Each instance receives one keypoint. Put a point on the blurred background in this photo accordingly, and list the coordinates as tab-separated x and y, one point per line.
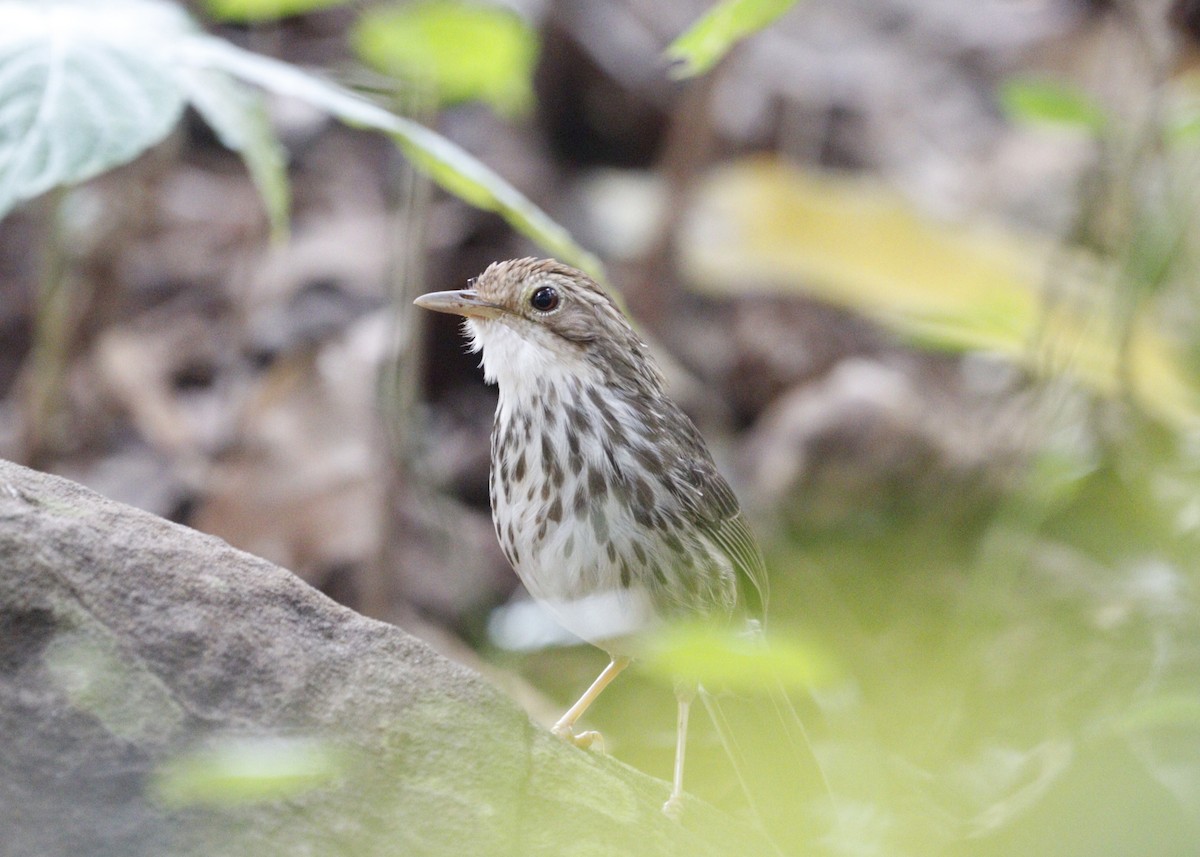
923	272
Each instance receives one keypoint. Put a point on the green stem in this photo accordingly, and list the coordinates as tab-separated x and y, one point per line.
46	378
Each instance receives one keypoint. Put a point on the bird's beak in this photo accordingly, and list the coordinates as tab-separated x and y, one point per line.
466	303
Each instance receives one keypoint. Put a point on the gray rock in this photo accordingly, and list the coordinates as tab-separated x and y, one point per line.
131	647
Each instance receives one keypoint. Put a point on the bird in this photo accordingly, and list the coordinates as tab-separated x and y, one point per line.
605	498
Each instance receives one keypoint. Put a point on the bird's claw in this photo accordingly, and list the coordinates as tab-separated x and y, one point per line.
590	739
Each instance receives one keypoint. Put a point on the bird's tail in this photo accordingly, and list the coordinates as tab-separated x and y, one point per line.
775	763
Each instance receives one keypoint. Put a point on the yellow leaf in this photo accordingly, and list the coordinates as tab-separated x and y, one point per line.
858	244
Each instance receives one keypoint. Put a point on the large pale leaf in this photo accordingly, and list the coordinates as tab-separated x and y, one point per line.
856	243
447	163
84	87
718	30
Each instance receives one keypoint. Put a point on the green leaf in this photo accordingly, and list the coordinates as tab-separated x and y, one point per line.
1048	102
724	658
448	164
238	117
84	87
100	680
1182	129
245	770
463	51
1179	710
711	37
265	10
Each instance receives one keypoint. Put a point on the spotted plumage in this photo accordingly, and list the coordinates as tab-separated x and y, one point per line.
604	496
643	494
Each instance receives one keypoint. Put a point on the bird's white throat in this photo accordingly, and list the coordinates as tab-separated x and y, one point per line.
515	361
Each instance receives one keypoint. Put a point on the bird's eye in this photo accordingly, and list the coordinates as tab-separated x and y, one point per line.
544	299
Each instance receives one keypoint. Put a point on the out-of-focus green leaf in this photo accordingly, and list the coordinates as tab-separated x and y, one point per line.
265	10
120	692
1049	102
704	43
1183	129
1166	711
84	87
448	164
1014	781
246	770
1055	477
723	658
858	244
466	52
1181	120
238	117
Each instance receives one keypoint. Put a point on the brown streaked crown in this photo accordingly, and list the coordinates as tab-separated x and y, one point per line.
584	315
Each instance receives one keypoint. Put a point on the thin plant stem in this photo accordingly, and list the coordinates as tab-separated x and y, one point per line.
49	355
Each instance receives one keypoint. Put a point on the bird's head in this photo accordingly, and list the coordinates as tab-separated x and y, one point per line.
535	318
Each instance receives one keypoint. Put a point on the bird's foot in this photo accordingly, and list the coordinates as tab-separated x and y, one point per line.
583	740
673	808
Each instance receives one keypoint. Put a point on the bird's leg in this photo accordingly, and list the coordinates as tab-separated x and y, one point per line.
684	694
565	727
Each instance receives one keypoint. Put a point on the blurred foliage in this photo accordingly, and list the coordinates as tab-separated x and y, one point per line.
994	685
234	771
1021	680
1043	101
444	161
735	659
95	676
239	119
854	242
247	11
1181	124
464	52
705	42
1162	712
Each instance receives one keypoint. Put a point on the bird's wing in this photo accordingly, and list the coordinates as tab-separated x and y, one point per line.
715	510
